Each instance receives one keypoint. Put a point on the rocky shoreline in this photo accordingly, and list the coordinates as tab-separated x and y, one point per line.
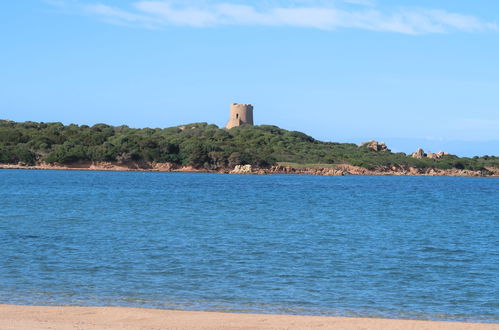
339	170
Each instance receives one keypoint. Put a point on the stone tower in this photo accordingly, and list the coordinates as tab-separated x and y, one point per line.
240	114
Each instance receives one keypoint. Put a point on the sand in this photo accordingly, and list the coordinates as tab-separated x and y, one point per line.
43	317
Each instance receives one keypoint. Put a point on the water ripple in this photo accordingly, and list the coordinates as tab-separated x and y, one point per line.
404	247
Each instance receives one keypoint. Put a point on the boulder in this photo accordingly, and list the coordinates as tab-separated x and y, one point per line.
419	154
437	155
242	169
375	145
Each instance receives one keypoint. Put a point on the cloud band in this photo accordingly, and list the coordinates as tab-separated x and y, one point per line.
156	14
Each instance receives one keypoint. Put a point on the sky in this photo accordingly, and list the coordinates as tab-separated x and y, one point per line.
414	73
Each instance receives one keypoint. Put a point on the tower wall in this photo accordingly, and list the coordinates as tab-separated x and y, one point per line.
240	114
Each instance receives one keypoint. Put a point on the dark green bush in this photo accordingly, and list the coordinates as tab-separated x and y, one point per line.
200	145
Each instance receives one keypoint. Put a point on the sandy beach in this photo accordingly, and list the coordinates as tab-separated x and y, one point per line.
43	317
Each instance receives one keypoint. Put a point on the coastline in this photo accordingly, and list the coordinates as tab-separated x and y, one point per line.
71	317
337	170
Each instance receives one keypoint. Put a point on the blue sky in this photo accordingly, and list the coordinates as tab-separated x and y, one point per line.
417	73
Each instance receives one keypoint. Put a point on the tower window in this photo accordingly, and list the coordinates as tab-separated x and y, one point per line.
237	115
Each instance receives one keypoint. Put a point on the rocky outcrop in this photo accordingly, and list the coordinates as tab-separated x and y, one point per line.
108	166
493	171
437	155
375	145
419	154
338	170
311	171
242	169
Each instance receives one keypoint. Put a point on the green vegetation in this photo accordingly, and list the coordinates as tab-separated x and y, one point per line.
200	145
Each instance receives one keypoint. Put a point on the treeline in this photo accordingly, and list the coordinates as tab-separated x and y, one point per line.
200	145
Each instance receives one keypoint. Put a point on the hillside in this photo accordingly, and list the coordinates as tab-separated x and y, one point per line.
201	146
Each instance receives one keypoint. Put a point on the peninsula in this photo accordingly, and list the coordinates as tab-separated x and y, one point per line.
244	148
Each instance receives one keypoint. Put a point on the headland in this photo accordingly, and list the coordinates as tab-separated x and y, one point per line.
200	147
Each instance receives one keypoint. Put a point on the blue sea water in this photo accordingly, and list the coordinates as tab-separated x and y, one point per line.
401	247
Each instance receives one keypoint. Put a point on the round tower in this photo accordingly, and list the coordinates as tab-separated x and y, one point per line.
240	114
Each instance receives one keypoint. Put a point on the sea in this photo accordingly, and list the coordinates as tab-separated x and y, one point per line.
362	246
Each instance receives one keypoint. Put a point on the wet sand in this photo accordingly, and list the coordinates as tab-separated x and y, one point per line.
43	317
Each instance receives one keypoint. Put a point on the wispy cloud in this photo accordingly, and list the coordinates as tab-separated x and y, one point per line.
305	14
369	3
119	16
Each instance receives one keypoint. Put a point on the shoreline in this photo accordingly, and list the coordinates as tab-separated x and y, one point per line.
337	170
72	317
